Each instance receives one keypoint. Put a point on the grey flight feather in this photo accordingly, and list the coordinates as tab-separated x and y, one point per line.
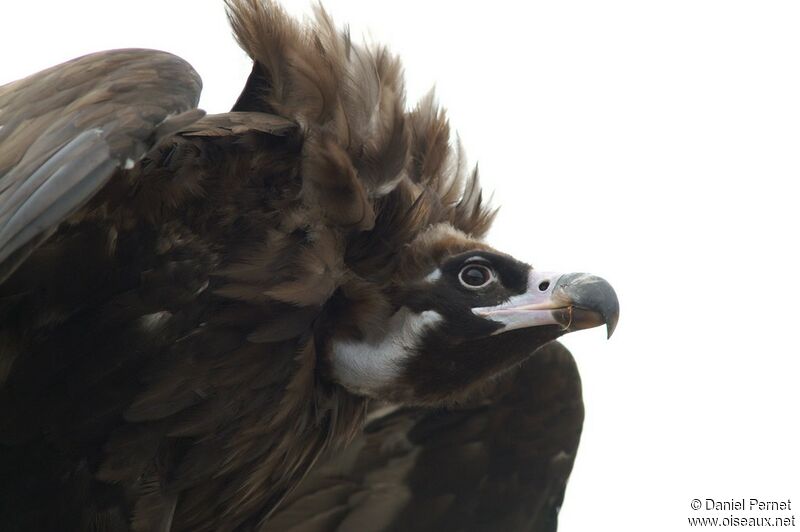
65	131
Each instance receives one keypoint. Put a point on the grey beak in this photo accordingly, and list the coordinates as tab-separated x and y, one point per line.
574	301
592	301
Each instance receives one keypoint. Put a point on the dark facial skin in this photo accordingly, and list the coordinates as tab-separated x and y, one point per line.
461	354
449	297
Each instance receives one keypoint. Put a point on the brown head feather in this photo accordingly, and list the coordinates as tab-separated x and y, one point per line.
350	101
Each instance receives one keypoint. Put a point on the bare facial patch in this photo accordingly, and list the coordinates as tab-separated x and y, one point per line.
434	276
370	365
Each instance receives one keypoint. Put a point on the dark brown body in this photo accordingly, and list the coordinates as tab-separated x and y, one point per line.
499	463
170	287
125	360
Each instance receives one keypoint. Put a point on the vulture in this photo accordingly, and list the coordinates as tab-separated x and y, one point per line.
279	318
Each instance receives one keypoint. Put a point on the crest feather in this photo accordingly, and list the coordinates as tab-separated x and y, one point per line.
396	169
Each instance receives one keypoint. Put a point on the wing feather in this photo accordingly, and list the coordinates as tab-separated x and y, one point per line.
65	131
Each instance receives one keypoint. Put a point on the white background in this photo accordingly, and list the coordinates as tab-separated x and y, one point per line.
654	143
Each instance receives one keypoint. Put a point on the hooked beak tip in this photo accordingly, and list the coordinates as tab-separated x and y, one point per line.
610	329
594	301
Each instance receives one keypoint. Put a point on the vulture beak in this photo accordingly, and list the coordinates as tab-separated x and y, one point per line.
574	301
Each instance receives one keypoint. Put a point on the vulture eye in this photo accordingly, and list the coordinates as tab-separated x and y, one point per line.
474	276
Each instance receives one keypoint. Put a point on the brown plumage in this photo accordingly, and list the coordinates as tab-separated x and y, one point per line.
497	462
194	310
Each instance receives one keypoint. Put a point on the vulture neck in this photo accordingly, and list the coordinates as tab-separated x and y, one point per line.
371	365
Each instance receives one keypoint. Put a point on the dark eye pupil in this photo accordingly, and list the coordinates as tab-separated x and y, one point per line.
474	276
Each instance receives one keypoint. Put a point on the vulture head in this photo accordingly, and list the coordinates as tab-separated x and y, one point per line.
421	310
460	315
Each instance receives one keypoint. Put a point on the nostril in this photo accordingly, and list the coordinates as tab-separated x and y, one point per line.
544	285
